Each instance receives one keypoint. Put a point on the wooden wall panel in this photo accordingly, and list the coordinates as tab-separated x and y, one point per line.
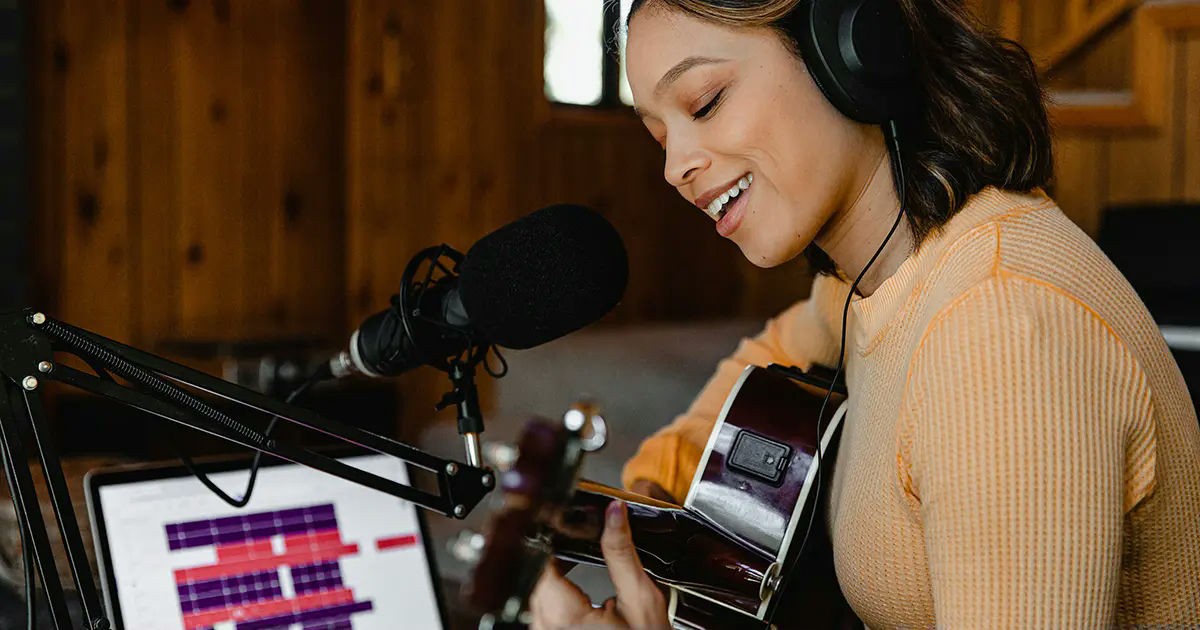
266	168
386	72
255	193
1041	22
212	230
1189	154
155	165
93	196
304	208
249	169
191	166
48	71
440	126
1103	65
1077	160
1141	165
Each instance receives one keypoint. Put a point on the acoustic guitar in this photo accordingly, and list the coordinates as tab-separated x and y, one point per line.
749	547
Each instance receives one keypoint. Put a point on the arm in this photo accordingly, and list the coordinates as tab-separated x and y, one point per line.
804	334
1025	437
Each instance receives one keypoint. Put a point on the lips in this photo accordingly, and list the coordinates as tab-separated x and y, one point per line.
732	214
714	201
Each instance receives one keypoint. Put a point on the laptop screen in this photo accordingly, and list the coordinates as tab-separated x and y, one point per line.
309	551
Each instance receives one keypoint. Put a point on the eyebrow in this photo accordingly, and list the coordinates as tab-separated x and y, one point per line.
672	75
676	71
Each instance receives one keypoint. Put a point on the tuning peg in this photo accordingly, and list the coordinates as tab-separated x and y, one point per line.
585	419
500	455
466	546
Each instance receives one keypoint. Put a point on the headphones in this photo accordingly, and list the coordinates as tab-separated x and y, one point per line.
860	54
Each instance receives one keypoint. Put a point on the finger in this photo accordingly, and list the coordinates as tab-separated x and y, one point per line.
555	601
624	566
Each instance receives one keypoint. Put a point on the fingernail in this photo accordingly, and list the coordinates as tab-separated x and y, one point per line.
613	513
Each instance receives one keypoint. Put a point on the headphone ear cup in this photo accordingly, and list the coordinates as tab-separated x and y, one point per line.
859	53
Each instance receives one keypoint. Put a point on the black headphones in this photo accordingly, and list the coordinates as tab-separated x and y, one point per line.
860	54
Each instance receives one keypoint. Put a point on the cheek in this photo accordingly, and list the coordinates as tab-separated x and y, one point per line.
807	150
777	230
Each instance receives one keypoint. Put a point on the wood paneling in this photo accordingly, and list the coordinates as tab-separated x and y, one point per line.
1140	164
1143	147
307	187
1103	65
155	160
1077	159
440	139
92	197
484	148
48	66
191	166
212	168
212	228
1188	147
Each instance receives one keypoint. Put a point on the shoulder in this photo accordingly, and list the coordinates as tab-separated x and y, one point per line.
1023	251
1006	311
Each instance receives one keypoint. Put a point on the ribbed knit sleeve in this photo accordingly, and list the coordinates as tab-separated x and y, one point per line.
801	335
1026	435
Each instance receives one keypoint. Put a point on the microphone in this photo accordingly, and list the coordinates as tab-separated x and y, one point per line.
532	281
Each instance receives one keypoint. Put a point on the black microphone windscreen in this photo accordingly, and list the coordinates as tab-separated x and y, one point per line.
543	276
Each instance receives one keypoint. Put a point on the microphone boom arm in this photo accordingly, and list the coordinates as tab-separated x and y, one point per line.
27	344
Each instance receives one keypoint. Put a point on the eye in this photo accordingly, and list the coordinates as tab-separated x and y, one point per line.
709	106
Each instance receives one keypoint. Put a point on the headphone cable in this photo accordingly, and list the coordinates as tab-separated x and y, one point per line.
891	133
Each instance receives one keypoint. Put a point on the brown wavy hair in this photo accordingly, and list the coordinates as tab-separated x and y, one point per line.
980	118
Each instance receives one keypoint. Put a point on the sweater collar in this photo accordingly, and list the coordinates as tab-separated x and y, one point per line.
874	314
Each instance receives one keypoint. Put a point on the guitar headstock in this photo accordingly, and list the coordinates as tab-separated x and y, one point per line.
535	490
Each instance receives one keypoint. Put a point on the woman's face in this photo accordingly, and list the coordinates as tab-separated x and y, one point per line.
732	107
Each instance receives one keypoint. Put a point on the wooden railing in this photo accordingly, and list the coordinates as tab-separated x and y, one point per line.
1083	23
1143	105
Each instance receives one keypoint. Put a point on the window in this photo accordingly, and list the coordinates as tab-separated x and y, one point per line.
585	52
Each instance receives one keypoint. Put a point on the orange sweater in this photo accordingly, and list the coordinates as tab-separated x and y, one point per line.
1020	448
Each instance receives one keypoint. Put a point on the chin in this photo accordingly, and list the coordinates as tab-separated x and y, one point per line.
767	256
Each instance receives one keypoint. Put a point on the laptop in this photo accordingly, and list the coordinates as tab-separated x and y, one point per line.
310	551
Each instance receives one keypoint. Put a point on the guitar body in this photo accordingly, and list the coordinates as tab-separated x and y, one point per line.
735	553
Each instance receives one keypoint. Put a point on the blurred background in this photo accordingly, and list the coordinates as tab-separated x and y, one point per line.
235	184
218	178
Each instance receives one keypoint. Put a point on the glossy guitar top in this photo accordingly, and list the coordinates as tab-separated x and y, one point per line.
752	526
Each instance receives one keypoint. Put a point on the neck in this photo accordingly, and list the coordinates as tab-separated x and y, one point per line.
853	235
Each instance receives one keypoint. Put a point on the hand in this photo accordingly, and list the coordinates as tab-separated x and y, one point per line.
651	489
557	603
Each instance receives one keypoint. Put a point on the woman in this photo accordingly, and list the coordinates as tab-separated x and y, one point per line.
1021	449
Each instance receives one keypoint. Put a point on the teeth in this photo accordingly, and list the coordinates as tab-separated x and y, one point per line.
717	208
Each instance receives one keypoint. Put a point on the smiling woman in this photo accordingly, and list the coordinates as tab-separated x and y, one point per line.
1019	449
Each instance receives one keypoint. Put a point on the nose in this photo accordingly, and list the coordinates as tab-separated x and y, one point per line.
685	160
